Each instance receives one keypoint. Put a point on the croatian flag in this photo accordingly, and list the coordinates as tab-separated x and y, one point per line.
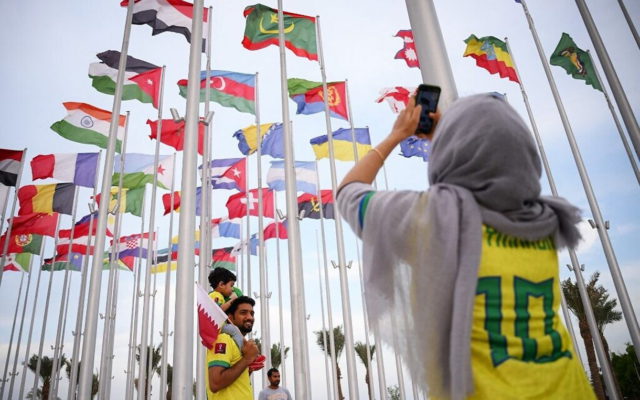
306	177
79	168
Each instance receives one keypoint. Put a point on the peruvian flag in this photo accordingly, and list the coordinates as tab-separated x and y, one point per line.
149	82
210	318
408	52
397	97
243	204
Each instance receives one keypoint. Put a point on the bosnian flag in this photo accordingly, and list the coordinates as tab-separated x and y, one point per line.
397	97
79	168
230	89
88	124
210	318
224	176
306	177
167	16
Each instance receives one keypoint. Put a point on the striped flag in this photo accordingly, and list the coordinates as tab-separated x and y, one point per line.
57	197
9	166
306	177
79	168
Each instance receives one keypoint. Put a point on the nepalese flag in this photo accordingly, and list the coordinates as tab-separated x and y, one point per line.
343	144
10	161
57	197
309	96
243	204
70	261
262	31
306	176
408	52
172	133
79	168
491	54
168	16
133	245
139	170
225	227
221	176
309	206
272	139
211	318
397	97
37	223
276	230
17	262
229	89
415	147
141	79
87	124
22	243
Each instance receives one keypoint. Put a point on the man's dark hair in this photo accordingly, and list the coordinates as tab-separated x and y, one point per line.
271	371
240	300
221	275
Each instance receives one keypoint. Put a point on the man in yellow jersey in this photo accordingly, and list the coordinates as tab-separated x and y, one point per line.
228	365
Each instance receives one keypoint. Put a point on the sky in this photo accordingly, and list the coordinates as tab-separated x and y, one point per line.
48	47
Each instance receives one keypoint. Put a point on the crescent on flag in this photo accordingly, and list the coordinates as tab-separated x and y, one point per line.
274	20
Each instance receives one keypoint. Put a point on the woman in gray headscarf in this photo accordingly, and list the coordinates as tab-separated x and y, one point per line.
463	278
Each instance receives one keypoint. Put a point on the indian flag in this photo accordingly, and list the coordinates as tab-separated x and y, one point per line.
88	124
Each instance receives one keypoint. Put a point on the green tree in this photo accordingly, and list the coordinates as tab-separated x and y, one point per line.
169	379
154	356
339	346
627	370
361	351
393	392
604	313
46	368
276	349
95	383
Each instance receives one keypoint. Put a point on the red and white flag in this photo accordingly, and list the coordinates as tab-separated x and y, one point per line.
397	97
243	204
408	52
210	318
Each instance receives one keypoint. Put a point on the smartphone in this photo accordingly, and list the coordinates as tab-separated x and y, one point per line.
427	96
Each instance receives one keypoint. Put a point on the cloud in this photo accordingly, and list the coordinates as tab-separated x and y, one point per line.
589	236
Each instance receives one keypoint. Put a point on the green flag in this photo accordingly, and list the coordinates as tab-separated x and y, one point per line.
17	262
575	61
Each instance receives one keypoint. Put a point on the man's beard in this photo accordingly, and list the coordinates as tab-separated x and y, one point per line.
244	330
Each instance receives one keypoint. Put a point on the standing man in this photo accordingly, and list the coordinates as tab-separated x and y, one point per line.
274	391
228	365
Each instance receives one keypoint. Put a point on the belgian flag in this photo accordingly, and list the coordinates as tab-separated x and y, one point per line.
57	197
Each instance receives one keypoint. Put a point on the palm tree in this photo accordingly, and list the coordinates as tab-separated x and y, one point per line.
169	379
361	351
154	356
95	383
276	351
339	346
46	368
604	313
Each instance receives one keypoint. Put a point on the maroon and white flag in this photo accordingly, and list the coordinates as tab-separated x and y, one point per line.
210	318
397	97
408	52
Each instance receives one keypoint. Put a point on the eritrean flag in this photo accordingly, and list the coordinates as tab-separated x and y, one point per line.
230	89
309	97
262	31
46	198
491	53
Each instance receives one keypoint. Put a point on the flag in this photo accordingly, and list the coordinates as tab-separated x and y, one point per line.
272	139
72	261
408	52
224	258
229	89
210	318
225	227
237	204
10	161
236	173
79	168
308	96
168	16
57	197
77	244
22	243
4	195
172	133
262	31
309	204
124	263
36	223
342	144
222	166
415	147
137	73
162	264
166	201
280	227
492	54
138	170
82	227
397	97
130	200
87	124
17	262
575	61
132	245
306	177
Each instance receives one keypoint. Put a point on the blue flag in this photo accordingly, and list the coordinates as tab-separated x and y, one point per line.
414	147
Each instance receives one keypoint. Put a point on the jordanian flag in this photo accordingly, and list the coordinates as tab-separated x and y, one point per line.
141	79
230	89
88	124
575	61
262	30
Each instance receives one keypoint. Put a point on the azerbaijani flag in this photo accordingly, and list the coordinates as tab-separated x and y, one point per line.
262	31
342	144
88	124
230	89
57	197
309	97
79	168
139	170
491	54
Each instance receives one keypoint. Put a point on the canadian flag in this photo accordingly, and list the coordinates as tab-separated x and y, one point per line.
210	318
397	97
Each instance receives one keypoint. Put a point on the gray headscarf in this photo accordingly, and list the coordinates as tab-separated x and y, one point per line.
422	249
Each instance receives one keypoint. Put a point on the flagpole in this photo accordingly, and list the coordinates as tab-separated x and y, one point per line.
13	329
77	334
282	352
330	388
29	336
184	308
3	258
153	314
382	380
4	205
627	17
432	53
298	313
167	295
342	264
112	326
618	92
600	224
64	329
403	391
91	324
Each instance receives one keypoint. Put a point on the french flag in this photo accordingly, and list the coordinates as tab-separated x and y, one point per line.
79	168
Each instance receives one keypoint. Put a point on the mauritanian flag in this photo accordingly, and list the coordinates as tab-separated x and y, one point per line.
46	198
491	54
230	89
141	79
79	168
10	161
139	170
88	124
262	31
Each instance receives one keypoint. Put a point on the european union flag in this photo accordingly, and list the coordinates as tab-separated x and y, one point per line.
415	147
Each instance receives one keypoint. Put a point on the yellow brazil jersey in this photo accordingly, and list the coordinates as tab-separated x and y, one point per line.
217	297
519	347
226	353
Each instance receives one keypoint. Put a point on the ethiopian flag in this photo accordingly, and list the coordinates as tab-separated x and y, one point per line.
88	124
491	54
575	61
309	96
262	30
